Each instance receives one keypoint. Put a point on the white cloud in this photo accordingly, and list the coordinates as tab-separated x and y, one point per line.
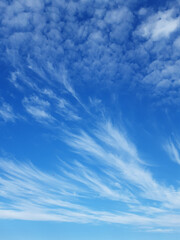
62	39
173	150
7	113
160	230
124	164
160	25
38	108
95	47
38	113
98	183
117	140
117	176
64	108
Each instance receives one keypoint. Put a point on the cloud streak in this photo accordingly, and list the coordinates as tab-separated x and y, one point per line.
6	113
172	148
113	173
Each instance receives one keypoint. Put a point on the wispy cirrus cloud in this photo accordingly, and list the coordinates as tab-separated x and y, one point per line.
7	113
38	108
172	148
125	163
108	177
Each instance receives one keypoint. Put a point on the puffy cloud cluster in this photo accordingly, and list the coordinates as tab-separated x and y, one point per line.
159	35
82	35
98	42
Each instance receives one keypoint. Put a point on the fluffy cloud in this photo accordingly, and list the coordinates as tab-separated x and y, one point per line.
160	25
107	42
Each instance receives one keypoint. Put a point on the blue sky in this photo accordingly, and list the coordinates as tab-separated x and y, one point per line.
89	119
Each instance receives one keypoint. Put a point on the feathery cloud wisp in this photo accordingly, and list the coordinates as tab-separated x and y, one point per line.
120	178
